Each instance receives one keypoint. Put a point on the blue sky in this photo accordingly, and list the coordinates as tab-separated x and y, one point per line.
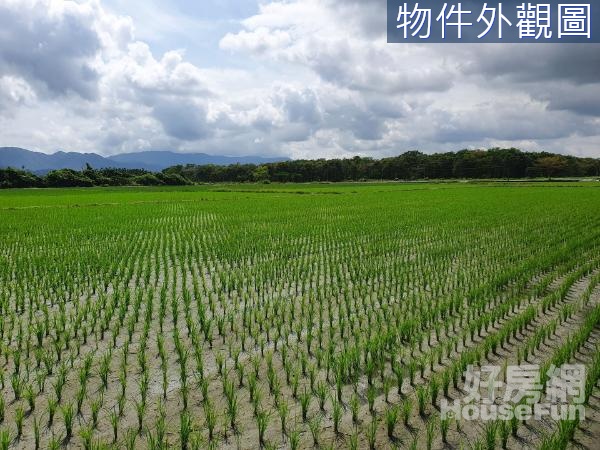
296	78
194	26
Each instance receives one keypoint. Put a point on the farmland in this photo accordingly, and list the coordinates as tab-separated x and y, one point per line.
290	316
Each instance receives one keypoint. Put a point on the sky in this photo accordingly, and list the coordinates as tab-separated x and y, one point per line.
293	78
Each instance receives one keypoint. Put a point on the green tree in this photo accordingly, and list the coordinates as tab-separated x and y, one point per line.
261	173
551	165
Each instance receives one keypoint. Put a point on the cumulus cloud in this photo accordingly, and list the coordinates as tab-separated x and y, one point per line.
14	91
182	119
581	99
526	63
300	78
426	96
327	38
260	40
50	44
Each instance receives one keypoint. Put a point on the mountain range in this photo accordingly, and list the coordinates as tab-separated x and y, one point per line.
42	163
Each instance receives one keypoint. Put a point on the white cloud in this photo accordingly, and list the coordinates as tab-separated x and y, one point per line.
318	79
15	91
50	44
260	40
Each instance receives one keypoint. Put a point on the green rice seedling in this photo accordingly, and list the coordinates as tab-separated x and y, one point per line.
294	439
55	443
262	421
58	388
305	403
431	428
434	389
240	372
165	381
197	441
477	445
275	388
391	419
315	428
130	439
80	397
549	442
337	416
184	392
211	419
61	379
87	434
387	385
204	389
114	422
19	417
123	381
95	406
29	397
372	433
283	410
17	362
104	369
407	407
371	393
52	405
354	406
220	360
514	424
446	384
161	426
17	386
140	410
421	399
422	366
185	429
153	442
566	432
412	370
257	401
414	443
353	441
252	383
491	430
338	387
444	428
232	409
295	383
399	374
68	414
36	433
5	440
321	392
504	429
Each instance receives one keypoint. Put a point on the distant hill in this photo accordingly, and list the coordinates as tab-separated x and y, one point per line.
164	159
42	163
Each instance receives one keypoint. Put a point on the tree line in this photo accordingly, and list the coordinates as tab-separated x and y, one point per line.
88	177
471	164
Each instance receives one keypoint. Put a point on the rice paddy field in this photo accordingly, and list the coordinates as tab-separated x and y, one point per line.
291	316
